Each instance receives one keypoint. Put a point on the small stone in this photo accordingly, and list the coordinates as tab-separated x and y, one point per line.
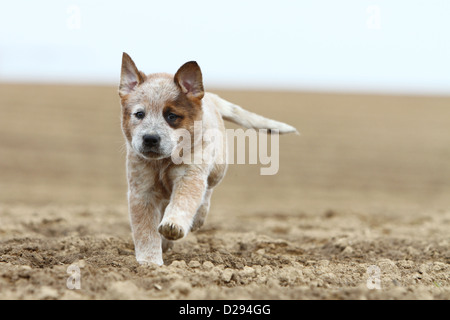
81	264
226	275
157	286
194	264
247	272
348	250
208	265
261	251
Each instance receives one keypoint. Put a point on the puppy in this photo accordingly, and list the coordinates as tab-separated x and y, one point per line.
167	197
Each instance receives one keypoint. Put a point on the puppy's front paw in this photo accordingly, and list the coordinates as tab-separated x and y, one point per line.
150	262
171	231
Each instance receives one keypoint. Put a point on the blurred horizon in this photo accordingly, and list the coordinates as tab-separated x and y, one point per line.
358	46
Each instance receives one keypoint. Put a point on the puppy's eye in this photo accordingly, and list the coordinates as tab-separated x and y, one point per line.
172	117
140	114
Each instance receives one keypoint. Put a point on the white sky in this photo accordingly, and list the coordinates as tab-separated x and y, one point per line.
397	46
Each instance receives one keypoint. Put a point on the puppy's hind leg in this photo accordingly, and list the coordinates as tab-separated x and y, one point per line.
202	211
166	244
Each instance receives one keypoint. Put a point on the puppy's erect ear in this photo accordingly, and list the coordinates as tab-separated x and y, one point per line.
189	79
130	76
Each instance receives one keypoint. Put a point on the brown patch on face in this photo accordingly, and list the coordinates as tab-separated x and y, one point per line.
189	80
187	110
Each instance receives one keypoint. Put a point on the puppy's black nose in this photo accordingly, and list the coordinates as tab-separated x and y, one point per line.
151	140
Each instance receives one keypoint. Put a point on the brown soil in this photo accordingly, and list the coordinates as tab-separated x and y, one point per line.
366	185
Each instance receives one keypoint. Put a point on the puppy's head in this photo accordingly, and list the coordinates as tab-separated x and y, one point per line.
154	106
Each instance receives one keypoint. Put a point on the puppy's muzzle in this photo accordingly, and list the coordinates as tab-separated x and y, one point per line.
151	145
151	141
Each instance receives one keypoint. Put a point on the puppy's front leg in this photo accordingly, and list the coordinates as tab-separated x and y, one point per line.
144	218
187	195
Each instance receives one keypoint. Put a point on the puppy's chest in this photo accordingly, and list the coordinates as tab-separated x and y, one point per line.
152	182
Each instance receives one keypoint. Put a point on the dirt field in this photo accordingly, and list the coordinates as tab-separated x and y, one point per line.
364	189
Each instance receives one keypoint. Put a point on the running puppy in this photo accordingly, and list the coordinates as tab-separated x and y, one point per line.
168	198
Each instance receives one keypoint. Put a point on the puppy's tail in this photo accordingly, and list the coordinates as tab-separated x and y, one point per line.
247	119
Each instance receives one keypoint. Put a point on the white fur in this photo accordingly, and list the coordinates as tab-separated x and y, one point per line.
247	119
